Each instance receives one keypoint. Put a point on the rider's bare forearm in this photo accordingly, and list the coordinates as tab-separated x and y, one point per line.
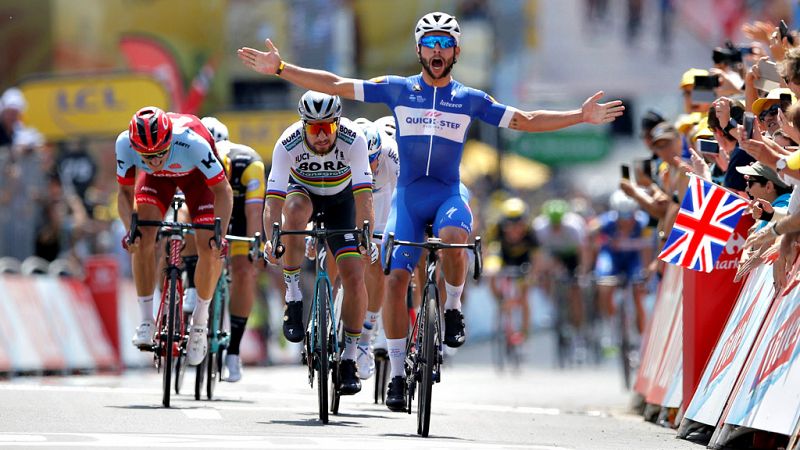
364	209
319	80
223	202
125	205
272	214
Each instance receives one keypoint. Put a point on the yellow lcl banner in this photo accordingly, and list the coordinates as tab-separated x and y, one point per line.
258	129
91	105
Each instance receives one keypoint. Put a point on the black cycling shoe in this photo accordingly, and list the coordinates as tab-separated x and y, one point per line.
293	321
348	378
454	328
396	395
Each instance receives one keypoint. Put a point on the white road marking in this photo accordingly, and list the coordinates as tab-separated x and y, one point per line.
202	413
104	440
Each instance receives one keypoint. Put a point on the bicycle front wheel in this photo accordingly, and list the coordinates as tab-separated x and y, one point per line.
427	359
169	343
322	350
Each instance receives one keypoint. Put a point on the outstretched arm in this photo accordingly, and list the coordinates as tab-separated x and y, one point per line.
270	62
591	112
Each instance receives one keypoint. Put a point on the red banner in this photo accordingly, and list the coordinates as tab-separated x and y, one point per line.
708	299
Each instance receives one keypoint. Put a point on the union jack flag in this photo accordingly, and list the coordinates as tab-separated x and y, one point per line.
708	216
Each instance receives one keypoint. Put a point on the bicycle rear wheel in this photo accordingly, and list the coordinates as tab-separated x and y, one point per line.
199	378
180	361
625	344
322	351
169	342
427	359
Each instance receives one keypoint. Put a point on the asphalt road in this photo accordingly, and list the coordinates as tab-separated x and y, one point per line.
474	407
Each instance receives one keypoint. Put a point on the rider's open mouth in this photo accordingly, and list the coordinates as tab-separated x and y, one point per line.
437	63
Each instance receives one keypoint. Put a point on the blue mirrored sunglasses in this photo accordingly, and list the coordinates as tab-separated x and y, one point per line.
443	41
373	157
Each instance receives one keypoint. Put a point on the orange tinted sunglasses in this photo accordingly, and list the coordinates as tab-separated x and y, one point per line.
314	129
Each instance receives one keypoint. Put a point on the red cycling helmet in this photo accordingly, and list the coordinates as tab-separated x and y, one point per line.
150	130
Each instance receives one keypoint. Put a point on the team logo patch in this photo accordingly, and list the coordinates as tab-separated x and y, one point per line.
381	79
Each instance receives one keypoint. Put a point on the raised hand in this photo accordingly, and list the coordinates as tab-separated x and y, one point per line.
599	113
262	62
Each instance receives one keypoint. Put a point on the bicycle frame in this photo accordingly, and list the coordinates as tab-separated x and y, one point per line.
166	336
321	346
424	348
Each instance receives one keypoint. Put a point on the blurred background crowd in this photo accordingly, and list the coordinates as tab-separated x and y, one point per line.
73	75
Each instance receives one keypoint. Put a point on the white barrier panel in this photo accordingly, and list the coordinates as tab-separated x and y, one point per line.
33	345
768	398
733	347
61	319
95	335
658	335
50	324
128	319
20	348
666	388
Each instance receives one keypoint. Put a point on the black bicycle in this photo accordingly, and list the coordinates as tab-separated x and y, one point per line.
171	338
321	349
424	348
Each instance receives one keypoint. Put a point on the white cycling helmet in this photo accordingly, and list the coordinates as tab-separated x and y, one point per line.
217	129
373	135
438	21
315	105
387	125
621	203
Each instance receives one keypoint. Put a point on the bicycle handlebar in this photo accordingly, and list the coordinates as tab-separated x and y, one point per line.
434	244
278	248
136	223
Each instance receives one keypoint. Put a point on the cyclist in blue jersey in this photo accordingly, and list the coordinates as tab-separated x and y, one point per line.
433	113
620	236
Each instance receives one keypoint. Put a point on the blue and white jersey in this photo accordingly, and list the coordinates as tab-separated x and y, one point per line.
432	122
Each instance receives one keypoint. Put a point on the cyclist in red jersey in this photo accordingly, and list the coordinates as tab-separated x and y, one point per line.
159	153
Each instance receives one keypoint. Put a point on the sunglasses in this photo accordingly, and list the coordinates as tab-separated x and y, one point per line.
751	180
373	157
314	129
443	41
152	156
772	111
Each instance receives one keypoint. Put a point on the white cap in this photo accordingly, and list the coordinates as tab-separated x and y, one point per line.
13	99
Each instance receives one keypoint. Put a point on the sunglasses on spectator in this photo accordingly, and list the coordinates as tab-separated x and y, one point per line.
152	156
443	41
316	128
771	111
751	180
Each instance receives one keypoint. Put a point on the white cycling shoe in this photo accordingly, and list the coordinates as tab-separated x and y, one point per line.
198	345
144	334
365	362
234	365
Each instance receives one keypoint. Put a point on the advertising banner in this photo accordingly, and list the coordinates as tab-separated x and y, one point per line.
768	397
732	348
89	105
660	325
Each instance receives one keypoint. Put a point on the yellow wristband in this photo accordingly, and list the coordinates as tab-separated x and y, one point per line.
280	68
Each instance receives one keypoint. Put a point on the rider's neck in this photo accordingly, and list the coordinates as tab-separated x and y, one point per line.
437	83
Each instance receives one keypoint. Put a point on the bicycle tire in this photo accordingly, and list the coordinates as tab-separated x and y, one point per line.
211	373
180	363
625	345
322	350
169	344
199	378
428	358
381	375
336	393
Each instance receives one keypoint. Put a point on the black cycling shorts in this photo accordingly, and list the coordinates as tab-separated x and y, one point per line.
338	212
